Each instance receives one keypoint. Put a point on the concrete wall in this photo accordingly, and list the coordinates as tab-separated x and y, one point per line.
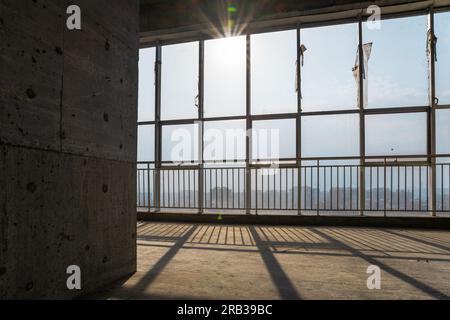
68	110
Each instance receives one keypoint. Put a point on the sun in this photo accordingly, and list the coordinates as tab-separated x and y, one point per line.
230	51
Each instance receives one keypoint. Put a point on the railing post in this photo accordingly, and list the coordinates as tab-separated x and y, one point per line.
318	193
432	186
384	189
256	190
148	187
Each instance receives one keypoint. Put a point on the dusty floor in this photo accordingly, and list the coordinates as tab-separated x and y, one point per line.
252	262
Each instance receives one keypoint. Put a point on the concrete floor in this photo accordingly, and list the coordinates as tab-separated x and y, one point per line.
190	261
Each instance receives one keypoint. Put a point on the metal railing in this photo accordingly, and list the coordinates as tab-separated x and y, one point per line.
406	184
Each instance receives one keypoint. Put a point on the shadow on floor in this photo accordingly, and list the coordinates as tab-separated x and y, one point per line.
364	243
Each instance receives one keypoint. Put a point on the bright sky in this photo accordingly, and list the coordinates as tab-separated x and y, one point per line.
397	76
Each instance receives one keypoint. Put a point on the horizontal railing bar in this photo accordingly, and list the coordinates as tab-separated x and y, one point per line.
395	164
309	159
163	168
302	210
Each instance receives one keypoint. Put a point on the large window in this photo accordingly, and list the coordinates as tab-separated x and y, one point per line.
443	131
146	143
180	143
146	100
327	77
225	77
273	72
224	140
397	74
442	30
328	136
273	139
394	74
396	134
179	83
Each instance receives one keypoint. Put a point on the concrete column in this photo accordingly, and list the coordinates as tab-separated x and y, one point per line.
67	146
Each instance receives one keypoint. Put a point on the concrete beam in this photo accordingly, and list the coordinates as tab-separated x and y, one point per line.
179	21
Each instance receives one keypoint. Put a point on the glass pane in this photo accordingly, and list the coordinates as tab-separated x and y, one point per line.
224	140
396	134
442	30
327	77
180	143
273	139
330	136
273	63
225	77
146	100
443	131
146	143
397	68
179	81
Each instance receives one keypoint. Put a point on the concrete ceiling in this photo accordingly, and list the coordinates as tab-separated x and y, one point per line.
172	20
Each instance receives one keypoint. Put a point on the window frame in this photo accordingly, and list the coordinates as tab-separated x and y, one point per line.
363	112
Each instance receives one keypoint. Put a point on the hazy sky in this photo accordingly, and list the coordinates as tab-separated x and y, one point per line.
397	76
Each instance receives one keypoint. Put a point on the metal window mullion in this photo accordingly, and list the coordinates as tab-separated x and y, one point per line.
362	142
248	144
158	129
431	117
298	126
201	114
